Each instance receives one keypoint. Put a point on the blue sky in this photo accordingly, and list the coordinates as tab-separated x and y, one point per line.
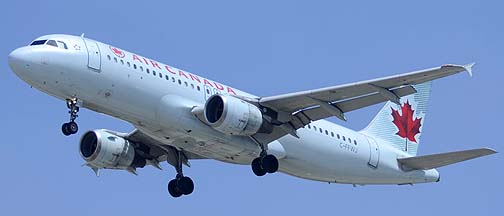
266	48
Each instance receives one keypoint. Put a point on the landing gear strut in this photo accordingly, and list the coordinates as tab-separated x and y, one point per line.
265	163
181	185
71	127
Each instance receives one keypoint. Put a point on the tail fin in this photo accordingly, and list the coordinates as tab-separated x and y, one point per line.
401	125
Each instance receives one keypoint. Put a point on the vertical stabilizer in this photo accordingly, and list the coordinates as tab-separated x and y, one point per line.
400	125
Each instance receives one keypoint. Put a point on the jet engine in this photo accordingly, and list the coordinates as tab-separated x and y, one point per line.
102	149
233	116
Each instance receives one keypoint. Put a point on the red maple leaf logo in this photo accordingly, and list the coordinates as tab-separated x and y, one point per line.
408	127
119	53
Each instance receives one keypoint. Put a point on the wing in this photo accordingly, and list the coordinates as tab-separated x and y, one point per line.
288	112
157	150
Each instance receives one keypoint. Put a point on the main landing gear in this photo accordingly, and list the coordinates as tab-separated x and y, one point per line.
181	185
71	127
265	163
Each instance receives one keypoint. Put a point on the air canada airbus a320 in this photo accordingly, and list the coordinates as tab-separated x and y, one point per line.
180	116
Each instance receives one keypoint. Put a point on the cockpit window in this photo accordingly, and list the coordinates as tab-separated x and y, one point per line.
38	42
52	43
62	44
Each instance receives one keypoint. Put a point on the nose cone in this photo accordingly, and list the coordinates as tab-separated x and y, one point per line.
15	55
16	58
21	60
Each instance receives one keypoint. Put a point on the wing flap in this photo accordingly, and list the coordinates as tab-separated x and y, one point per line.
158	149
317	113
438	160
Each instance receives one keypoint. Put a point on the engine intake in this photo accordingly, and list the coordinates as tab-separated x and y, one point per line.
233	116
102	149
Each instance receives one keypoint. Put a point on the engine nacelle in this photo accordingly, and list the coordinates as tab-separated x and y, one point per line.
233	116
102	149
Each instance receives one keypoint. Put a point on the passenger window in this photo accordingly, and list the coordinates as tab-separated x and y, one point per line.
52	43
192	86
122	62
315	128
128	63
167	78
354	142
349	140
208	91
327	133
179	82
332	134
154	73
160	75
38	42
108	56
147	69
320	129
62	44
309	127
134	66
185	83
115	59
344	138
199	88
338	136
141	68
173	79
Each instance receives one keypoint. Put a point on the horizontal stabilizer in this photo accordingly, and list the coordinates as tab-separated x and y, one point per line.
438	160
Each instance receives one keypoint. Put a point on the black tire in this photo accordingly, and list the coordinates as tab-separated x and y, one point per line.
72	127
173	189
64	129
257	168
185	185
270	163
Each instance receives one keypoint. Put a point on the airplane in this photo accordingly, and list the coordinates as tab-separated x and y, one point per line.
179	116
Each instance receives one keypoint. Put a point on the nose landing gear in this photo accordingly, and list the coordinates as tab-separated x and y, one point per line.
71	127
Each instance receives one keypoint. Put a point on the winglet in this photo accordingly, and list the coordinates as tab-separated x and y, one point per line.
468	68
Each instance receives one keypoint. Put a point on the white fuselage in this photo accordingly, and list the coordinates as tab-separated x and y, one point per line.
116	83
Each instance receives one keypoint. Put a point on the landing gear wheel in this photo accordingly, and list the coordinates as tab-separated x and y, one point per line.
185	185
69	128
257	167
72	127
173	189
270	163
264	164
64	129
